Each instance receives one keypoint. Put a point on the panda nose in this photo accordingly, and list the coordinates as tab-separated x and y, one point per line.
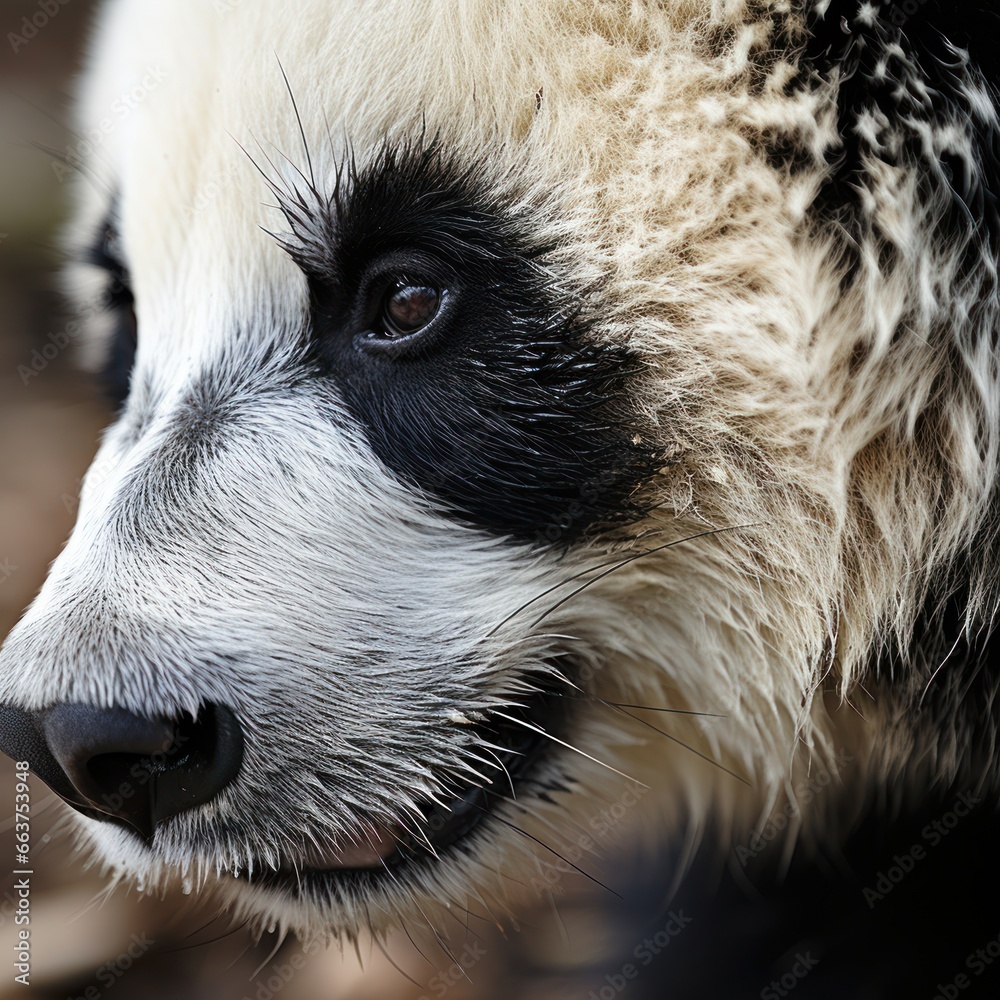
112	764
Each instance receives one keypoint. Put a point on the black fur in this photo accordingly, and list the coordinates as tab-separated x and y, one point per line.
507	411
873	920
118	301
946	48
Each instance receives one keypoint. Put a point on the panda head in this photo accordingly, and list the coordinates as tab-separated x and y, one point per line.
537	408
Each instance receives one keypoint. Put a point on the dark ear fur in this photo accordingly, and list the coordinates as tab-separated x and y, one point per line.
915	62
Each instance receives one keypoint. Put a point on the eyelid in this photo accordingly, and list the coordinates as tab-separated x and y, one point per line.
415	266
105	251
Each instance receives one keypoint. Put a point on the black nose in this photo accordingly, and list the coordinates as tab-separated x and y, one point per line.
112	764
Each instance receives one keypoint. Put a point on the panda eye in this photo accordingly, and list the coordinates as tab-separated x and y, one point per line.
118	304
118	300
406	309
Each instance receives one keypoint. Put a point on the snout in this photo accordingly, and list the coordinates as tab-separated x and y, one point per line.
113	765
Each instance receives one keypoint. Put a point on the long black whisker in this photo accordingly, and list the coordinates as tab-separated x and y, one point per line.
381	947
441	943
614	562
189	945
541	843
670	711
650	708
632	559
298	119
680	742
549	590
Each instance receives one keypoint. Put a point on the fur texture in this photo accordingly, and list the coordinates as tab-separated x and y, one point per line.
777	227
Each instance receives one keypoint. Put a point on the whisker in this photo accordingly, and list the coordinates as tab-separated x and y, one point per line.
298	119
614	562
632	559
669	711
549	590
67	158
71	162
382	948
536	815
541	843
416	948
190	945
503	767
419	834
569	746
583	694
680	742
441	943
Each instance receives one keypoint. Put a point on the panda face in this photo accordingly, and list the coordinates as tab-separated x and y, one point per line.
360	436
473	400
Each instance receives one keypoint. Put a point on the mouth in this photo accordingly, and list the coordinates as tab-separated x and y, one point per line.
511	745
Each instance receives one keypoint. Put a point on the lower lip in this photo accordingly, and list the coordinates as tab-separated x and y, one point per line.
369	850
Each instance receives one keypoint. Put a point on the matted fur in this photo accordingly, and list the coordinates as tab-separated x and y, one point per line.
823	390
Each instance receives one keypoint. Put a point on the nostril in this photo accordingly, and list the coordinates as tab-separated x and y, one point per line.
137	770
98	747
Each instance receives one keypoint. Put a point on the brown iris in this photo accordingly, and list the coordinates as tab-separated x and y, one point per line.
408	308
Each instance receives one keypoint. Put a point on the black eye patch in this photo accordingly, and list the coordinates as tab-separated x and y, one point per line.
471	366
117	302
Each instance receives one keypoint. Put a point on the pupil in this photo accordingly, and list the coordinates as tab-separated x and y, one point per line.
409	307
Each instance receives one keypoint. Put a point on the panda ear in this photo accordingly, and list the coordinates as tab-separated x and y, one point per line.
916	85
